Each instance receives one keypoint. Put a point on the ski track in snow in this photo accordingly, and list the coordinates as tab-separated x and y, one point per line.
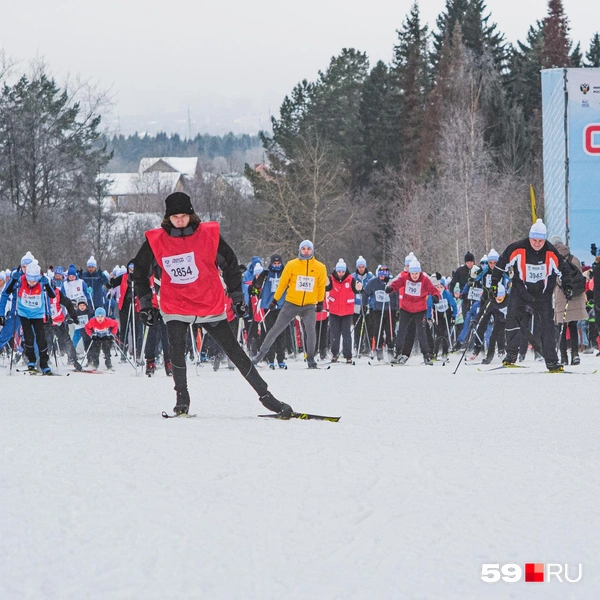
427	476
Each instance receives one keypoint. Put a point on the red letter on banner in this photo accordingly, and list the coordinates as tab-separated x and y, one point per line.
588	139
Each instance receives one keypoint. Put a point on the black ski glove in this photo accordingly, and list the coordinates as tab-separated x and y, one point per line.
148	316
240	309
273	305
389	289
319	307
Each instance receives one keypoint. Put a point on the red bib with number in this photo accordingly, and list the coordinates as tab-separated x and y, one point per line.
190	282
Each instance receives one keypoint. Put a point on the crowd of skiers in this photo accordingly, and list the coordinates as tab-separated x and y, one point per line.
186	294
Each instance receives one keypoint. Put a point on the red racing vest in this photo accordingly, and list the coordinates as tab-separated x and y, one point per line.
341	297
58	316
190	282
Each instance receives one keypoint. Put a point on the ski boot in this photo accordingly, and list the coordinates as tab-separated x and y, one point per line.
31	367
564	359
281	364
400	360
183	403
47	371
555	367
216	362
509	359
77	365
150	367
575	360
379	353
108	364
272	366
349	361
168	368
271	403
312	364
487	360
427	359
334	358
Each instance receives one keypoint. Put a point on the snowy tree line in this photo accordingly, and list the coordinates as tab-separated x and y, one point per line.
432	153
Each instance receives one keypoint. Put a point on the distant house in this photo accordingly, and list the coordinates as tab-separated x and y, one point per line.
142	192
187	166
156	178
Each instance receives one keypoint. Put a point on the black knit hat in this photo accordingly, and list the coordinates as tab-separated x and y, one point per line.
469	257
178	203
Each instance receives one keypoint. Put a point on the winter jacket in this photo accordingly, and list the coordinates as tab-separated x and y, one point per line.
376	298
97	284
447	302
576	309
534	272
364	279
414	293
304	280
342	292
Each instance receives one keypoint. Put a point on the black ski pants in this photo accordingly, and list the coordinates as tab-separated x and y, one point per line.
420	322
222	334
543	313
278	347
33	332
156	333
105	344
340	327
65	343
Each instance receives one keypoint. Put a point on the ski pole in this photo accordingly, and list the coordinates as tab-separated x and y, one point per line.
471	335
119	351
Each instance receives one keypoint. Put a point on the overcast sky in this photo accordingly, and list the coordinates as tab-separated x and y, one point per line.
230	62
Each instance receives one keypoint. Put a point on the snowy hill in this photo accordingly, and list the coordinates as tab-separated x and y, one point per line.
427	476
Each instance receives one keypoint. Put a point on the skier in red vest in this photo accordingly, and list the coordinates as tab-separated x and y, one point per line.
189	253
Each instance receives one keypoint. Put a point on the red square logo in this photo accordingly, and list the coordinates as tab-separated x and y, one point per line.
534	572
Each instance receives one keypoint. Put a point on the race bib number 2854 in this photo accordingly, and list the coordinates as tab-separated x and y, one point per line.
181	268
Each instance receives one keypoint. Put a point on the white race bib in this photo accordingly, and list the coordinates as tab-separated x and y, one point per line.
181	268
504	310
475	294
31	301
442	305
535	273
305	283
381	296
412	289
488	280
81	321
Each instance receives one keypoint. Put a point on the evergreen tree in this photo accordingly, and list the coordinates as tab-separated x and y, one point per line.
478	34
556	45
50	149
411	81
378	127
593	54
525	66
576	56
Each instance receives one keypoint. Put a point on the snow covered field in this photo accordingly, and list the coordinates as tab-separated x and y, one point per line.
427	476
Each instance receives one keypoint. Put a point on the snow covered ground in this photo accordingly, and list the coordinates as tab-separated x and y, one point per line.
427	476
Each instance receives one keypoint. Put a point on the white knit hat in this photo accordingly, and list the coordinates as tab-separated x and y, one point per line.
414	266
538	230
407	259
27	259
341	265
91	262
493	255
33	271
